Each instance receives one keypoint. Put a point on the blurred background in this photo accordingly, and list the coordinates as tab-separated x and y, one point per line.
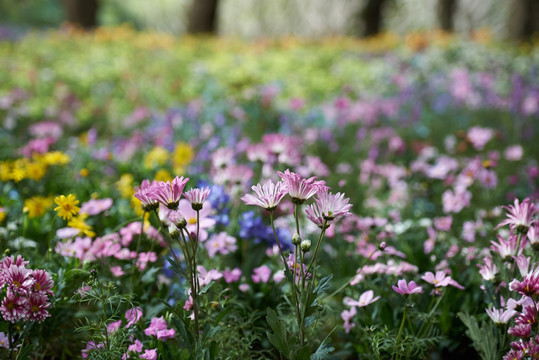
253	19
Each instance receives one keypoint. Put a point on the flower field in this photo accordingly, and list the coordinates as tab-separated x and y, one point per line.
200	198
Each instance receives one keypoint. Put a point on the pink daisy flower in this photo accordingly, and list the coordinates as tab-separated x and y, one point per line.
500	316
438	280
300	189
149	354
197	197
169	193
268	195
145	194
19	279
327	207
133	316
519	216
204	219
404	288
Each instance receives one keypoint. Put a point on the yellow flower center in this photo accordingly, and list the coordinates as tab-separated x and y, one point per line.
192	221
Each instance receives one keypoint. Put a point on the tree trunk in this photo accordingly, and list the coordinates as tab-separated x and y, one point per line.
202	17
371	17
81	12
523	19
446	11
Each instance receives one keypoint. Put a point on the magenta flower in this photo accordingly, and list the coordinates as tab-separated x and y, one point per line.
43	282
528	316
406	289
521	330
136	347
519	216
268	195
19	279
300	189
232	275
149	354
145	194
133	316
169	193
529	285
197	197
113	326
499	316
158	328
365	299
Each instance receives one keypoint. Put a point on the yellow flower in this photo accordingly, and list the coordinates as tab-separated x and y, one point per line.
125	185
163	175
5	171
67	206
158	156
18	172
2	214
84	172
37	206
36	170
182	156
56	158
78	223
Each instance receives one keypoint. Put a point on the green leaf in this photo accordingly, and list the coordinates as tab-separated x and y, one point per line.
25	352
323	285
280	335
149	276
299	353
206	287
324	350
485	339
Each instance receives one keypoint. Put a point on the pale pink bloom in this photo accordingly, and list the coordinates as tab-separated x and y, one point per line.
488	269
205	221
46	128
278	276
169	193
533	235
144	258
513	153
468	231
243	287
507	248
365	299
223	157
479	136
523	264
327	207
133	316
221	243
90	346
499	316
67	233
267	196
300	189
149	354
438	280
404	288
96	206
530	105
117	271
443	223
455	201
4	341
488	178
158	328
207	276
261	274
520	216
232	275
347	316
197	197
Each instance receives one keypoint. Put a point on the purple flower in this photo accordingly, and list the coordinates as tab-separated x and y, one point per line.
520	330
232	275
406	289
149	354
268	195
158	328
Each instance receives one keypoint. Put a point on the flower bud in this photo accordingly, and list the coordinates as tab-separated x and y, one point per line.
382	246
177	219
173	230
296	239
306	245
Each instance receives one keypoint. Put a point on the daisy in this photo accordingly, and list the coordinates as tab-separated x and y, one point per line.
365	299
197	197
519	216
268	195
169	193
406	289
499	316
36	307
300	189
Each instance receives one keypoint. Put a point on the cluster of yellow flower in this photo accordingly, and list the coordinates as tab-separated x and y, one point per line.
34	168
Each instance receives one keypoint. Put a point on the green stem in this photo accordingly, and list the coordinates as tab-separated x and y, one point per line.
401	328
10	339
315	255
137	250
518	243
431	312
